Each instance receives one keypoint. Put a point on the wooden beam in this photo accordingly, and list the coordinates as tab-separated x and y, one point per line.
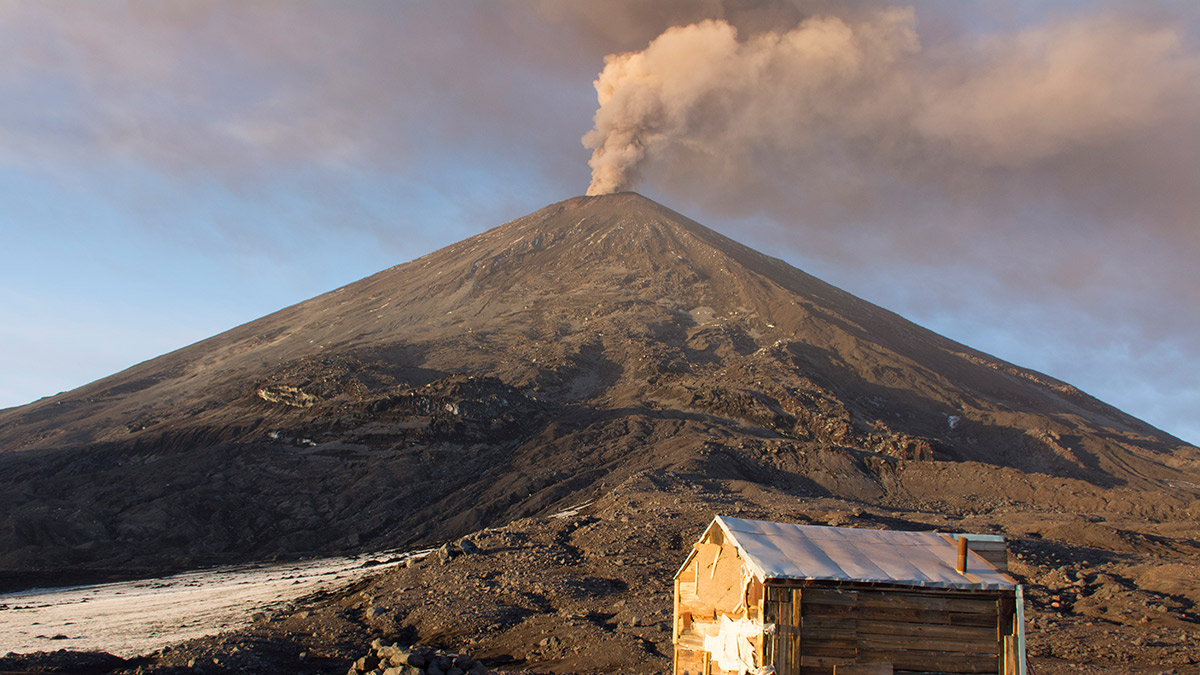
864	669
931	600
937	662
821	615
901	643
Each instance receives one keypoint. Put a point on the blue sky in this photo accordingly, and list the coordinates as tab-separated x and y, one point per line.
169	170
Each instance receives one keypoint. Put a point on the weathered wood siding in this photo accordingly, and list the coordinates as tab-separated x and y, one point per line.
782	646
919	630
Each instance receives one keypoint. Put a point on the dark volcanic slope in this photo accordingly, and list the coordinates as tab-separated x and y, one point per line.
552	355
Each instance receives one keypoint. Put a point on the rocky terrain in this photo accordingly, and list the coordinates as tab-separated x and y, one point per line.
607	351
588	590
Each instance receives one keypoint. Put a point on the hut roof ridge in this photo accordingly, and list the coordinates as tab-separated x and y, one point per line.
783	551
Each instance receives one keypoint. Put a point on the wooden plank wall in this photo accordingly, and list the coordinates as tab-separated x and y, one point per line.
781	648
919	631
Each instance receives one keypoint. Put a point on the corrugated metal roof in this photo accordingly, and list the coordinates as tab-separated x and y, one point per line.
813	552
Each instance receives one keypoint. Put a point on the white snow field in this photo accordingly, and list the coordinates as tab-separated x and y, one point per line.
138	617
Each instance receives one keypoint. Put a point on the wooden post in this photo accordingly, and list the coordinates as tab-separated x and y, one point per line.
795	648
962	555
675	627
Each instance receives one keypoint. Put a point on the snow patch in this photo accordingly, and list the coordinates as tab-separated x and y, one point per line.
573	511
131	618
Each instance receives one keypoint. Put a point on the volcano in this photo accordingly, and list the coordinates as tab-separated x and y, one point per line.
527	368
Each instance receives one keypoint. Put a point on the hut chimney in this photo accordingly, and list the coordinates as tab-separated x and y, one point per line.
962	555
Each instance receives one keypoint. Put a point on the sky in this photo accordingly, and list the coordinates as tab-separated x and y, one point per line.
1022	177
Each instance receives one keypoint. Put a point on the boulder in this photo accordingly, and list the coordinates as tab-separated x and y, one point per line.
393	659
366	663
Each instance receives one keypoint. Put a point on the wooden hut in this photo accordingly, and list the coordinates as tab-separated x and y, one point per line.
754	596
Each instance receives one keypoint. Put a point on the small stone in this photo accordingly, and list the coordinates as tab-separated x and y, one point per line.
468	547
445	554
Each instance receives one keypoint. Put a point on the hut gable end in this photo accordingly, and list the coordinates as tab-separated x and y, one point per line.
719	579
718	618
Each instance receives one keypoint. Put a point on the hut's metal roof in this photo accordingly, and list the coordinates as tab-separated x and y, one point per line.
843	554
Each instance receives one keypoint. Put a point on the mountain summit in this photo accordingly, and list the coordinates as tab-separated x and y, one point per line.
549	357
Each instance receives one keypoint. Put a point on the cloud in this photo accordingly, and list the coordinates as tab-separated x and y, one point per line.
1018	100
241	91
850	106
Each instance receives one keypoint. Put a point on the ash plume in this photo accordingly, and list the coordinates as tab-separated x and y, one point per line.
700	86
858	96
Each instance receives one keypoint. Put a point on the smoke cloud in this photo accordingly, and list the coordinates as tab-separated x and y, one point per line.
842	105
699	86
